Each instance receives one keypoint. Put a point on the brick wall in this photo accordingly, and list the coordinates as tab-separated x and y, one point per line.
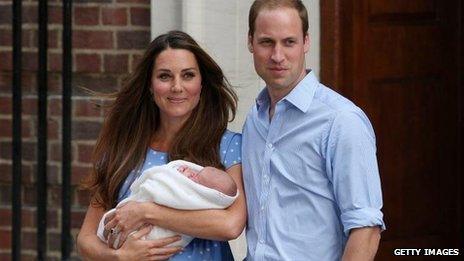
109	37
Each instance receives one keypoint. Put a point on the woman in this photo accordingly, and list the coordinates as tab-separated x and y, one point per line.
176	105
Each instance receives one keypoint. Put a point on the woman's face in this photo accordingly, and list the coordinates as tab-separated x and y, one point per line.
176	84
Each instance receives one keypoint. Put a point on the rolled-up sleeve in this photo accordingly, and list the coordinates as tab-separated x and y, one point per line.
352	168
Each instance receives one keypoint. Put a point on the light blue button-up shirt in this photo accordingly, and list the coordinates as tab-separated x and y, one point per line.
310	174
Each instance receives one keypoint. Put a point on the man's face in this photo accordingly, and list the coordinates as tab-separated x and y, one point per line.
279	47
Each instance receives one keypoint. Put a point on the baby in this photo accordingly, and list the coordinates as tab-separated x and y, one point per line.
212	178
180	185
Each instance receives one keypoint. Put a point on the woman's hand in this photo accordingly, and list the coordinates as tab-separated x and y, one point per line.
123	221
136	248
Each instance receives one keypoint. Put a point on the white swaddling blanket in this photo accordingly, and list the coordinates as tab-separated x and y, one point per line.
166	186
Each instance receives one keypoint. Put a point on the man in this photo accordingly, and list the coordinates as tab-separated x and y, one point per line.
310	171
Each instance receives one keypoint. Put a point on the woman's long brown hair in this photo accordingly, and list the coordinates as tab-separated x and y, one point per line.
133	117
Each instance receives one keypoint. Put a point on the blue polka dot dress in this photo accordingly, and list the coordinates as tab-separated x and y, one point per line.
198	249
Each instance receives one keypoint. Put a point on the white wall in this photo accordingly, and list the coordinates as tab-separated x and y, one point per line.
220	27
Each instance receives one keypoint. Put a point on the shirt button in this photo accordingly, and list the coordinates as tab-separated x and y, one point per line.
262	208
269	145
261	241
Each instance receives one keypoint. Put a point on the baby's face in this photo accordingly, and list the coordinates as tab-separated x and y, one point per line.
212	178
199	177
189	173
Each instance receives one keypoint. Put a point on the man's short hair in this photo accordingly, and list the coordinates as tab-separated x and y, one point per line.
259	5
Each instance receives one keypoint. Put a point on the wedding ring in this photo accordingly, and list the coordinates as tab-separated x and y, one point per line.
114	231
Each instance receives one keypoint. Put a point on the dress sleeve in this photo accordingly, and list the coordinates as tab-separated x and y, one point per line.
231	149
353	171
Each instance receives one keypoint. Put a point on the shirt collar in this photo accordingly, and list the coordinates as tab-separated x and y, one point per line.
263	98
301	96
